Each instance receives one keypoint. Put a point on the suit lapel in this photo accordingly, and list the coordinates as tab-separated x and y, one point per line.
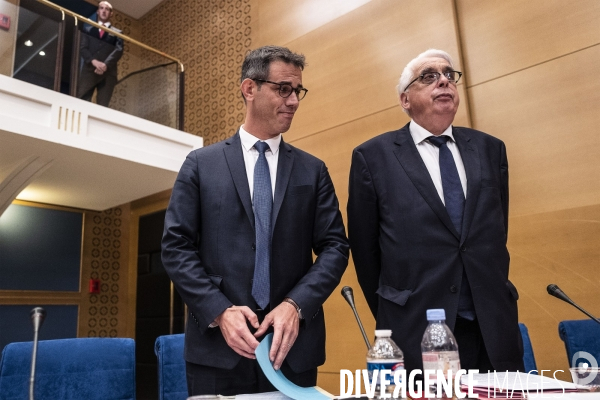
237	168
284	171
407	154
470	157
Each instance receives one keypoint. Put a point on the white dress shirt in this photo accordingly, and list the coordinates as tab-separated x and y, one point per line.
251	156
430	154
105	24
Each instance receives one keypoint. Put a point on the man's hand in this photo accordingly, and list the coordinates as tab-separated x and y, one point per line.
100	67
235	331
285	322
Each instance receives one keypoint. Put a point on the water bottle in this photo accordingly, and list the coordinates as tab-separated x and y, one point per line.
384	355
439	348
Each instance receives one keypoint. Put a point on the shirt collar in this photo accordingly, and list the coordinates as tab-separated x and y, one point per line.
419	134
248	140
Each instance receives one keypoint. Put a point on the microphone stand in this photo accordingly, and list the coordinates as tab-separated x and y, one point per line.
555	291
37	317
348	294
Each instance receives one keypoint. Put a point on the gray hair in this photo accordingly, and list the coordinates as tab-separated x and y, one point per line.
410	70
257	62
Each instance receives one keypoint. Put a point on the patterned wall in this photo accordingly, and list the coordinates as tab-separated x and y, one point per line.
211	38
105	258
128	61
152	94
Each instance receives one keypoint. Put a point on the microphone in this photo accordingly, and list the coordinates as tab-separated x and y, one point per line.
555	291
349	296
37	318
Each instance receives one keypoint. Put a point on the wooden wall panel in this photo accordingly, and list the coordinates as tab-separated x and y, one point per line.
525	61
560	247
285	20
345	346
500	37
548	117
356	60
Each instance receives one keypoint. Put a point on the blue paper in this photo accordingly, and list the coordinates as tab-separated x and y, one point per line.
279	380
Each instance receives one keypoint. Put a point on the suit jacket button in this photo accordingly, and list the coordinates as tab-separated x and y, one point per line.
253	246
463	248
453	289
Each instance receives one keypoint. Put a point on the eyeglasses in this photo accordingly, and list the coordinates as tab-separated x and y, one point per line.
427	78
286	89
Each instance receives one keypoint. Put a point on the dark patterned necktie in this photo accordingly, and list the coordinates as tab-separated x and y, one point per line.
454	197
263	204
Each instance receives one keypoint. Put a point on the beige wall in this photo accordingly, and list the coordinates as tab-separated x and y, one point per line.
525	61
531	79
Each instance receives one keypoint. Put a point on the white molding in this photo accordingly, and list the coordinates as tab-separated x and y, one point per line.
128	156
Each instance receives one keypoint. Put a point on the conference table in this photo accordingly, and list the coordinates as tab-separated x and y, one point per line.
265	396
281	396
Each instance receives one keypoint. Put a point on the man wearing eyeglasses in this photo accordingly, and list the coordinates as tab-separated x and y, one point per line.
427	223
245	216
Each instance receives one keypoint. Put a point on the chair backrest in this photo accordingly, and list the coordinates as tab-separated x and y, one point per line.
580	335
172	383
528	356
86	368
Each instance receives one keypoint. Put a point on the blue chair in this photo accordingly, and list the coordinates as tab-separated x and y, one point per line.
87	368
580	335
528	356
172	383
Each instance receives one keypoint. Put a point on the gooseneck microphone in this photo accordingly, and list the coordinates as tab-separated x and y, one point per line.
349	296
37	318
555	291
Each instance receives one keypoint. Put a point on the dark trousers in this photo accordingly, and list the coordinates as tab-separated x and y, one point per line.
471	349
246	377
90	81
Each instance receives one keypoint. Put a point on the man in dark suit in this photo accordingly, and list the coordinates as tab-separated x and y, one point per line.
241	255
428	223
100	50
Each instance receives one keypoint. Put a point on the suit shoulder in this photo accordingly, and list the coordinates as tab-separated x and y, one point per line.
302	155
380	141
477	135
209	153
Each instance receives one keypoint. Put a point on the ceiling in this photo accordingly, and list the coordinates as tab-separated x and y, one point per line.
135	8
80	178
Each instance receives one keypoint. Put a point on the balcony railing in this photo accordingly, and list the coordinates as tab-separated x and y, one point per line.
45	44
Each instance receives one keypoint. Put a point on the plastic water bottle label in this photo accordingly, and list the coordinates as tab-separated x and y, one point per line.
442	361
390	365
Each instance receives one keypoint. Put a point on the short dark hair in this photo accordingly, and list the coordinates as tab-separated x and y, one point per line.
257	62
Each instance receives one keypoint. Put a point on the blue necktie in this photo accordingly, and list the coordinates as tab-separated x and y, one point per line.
454	198
263	204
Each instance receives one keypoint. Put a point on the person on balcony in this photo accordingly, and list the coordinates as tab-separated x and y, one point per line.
100	50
